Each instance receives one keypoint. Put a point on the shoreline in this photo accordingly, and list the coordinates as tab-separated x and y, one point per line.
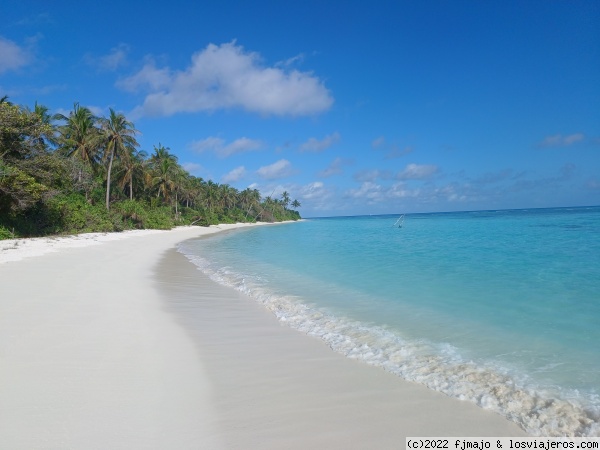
277	387
21	248
128	345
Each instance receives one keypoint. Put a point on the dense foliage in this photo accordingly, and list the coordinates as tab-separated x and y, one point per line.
80	173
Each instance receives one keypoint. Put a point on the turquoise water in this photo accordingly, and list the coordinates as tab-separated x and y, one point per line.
501	308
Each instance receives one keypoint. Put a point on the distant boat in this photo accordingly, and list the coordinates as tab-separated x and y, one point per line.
399	222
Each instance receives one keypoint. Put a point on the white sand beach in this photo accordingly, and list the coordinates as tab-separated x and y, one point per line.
116	341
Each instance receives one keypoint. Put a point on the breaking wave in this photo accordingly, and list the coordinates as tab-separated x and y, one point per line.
539	410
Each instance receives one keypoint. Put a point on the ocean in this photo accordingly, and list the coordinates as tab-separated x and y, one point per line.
500	308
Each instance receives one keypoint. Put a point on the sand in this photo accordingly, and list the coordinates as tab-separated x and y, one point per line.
117	341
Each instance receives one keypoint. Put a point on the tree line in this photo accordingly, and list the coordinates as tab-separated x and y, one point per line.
81	173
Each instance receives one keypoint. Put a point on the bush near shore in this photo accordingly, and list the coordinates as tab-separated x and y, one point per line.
80	173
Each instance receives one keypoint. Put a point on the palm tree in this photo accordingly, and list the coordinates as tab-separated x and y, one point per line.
163	167
46	120
192	190
296	204
179	178
161	152
246	198
211	196
131	169
285	199
79	137
267	206
228	196
119	135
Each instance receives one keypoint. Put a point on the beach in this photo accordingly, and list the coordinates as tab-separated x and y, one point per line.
118	341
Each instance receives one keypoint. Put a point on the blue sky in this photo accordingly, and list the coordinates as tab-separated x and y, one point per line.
353	107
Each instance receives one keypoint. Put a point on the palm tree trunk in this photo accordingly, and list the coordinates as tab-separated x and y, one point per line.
247	212
176	202
108	179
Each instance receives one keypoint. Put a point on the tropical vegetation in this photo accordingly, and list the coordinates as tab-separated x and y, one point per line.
65	174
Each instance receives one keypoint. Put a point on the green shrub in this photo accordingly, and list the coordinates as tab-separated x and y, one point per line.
73	214
159	219
132	212
142	215
5	233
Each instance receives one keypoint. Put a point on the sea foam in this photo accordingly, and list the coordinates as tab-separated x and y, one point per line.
539	410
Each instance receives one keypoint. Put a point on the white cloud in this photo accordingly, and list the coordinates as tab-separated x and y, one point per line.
234	175
573	138
417	172
240	145
223	150
392	150
335	168
313	190
223	77
315	145
208	144
279	169
451	193
148	78
98	111
368	190
12	57
397	152
192	167
374	193
291	61
116	58
399	190
316	195
372	175
558	140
